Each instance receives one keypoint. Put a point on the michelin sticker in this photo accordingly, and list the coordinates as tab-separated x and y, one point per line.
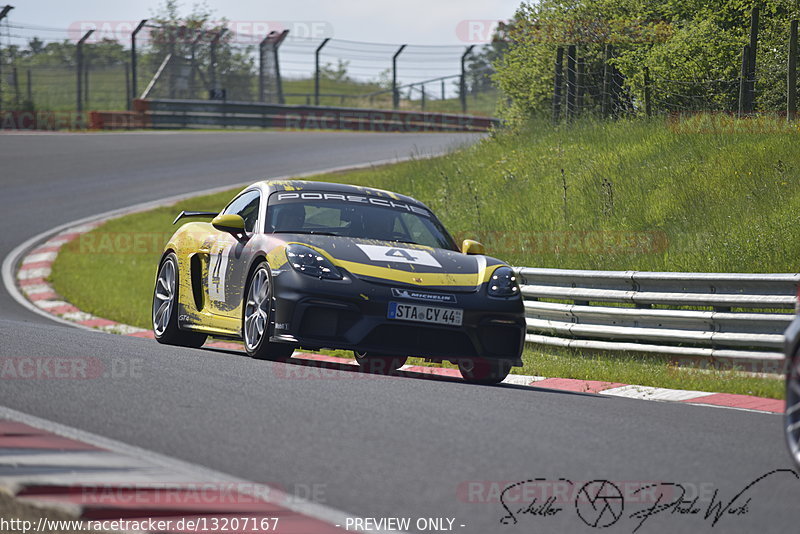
399	255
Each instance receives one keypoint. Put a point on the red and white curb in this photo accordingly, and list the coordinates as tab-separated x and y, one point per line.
97	479
26	272
36	266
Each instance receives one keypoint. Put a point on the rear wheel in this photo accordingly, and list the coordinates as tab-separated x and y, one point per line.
379	364
256	319
792	420
165	308
484	371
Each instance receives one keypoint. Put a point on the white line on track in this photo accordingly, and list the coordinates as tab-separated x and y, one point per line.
181	470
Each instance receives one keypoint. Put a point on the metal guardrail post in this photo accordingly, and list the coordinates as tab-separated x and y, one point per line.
395	93
316	69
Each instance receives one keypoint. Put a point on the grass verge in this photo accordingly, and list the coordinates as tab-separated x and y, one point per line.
626	195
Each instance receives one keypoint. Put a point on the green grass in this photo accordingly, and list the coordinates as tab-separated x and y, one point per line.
640	195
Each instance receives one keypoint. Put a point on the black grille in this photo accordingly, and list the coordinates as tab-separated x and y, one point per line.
421	341
326	323
500	340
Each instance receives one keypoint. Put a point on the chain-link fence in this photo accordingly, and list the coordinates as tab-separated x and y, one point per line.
39	69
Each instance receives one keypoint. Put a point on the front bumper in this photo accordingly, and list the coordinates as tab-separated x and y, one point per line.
351	314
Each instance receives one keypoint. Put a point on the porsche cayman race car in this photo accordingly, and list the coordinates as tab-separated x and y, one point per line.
292	264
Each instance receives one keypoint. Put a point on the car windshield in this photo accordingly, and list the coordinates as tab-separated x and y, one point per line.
358	216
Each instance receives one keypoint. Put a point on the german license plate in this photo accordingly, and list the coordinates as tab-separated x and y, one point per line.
425	314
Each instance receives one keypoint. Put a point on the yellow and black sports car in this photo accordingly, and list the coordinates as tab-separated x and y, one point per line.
290	264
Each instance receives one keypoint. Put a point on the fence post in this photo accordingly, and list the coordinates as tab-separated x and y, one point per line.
87	65
3	14
579	87
557	84
395	93
133	56
605	108
316	69
15	74
743	81
791	78
79	61
128	86
278	81
462	89
262	84
571	50
751	64
647	109
193	64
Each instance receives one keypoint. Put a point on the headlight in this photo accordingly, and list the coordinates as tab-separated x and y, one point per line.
308	261
503	283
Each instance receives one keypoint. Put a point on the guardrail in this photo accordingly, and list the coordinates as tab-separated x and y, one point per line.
217	113
722	320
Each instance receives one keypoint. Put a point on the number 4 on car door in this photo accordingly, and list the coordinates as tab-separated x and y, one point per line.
218	270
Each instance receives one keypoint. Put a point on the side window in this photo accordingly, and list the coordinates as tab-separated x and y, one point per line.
247	206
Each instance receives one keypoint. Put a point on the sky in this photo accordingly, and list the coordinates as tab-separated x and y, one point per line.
424	22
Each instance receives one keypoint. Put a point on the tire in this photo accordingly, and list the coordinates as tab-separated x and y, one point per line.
792	417
379	364
165	308
257	318
484	371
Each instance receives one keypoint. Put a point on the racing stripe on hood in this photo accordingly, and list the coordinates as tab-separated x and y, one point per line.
400	263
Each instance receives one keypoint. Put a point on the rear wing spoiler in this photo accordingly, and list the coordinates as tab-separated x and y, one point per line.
206	214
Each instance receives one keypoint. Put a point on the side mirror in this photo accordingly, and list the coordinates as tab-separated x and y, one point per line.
230	223
472	247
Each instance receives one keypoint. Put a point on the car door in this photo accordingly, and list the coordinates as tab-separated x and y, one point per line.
229	257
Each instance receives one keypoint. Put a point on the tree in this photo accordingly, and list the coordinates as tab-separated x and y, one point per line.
203	55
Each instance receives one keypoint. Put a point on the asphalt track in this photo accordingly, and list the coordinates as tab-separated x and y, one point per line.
370	446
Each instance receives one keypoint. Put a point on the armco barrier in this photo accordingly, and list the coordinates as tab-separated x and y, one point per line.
721	319
215	113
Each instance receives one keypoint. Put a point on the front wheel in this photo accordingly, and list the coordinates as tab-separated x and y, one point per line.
256	319
165	308
484	371
379	364
792	420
